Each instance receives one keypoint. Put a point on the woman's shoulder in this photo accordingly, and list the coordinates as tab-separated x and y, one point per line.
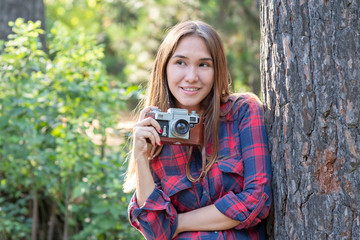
231	107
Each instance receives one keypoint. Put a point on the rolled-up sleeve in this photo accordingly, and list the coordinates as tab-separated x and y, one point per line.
252	204
157	218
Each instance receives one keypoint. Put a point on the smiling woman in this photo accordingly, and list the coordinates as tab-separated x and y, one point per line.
220	188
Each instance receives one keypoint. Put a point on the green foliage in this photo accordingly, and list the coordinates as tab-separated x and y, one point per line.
50	103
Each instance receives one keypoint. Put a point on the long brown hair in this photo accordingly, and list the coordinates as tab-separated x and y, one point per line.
158	92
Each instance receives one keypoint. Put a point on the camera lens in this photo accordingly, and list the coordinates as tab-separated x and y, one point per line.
181	127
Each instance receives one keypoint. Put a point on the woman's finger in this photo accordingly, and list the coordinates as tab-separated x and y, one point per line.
150	122
147	132
145	111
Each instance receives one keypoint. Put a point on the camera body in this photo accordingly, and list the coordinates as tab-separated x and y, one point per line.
179	126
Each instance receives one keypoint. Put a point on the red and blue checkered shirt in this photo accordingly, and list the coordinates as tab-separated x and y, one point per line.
238	183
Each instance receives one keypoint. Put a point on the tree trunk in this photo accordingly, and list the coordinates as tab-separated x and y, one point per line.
52	221
67	212
35	216
10	10
310	66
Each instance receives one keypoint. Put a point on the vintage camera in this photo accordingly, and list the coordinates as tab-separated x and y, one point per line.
179	126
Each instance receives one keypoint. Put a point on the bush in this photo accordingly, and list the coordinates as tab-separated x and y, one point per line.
53	176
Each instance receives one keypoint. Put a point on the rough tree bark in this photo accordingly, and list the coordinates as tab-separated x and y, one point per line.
10	10
310	66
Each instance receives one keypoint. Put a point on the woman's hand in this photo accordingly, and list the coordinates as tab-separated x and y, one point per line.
145	131
178	230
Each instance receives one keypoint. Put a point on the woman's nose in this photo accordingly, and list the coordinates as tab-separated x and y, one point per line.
191	74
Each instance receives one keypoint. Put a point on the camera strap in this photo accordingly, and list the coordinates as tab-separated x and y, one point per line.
204	167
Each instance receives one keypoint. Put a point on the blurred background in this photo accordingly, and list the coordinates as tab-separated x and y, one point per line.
68	86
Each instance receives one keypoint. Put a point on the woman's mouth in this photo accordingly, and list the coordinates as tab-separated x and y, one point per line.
190	89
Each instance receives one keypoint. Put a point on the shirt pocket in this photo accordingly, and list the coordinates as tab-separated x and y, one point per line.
181	192
232	170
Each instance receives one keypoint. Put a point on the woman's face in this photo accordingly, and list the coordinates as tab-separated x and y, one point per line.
190	73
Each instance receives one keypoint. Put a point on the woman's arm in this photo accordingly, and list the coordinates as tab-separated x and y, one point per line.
208	218
150	209
145	130
252	205
144	180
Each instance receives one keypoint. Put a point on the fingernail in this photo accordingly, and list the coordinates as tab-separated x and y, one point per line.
160	131
160	143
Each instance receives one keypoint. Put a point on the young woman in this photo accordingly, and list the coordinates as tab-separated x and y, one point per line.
219	190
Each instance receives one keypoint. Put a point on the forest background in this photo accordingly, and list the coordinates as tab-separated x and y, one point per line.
64	105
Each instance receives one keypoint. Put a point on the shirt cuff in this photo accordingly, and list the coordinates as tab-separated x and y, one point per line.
157	201
246	212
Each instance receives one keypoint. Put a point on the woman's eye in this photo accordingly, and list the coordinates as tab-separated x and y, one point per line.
204	65
180	62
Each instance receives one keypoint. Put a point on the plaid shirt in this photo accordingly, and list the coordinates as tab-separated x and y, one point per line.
238	183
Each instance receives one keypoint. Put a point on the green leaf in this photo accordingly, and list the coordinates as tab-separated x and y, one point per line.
100	207
4	121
